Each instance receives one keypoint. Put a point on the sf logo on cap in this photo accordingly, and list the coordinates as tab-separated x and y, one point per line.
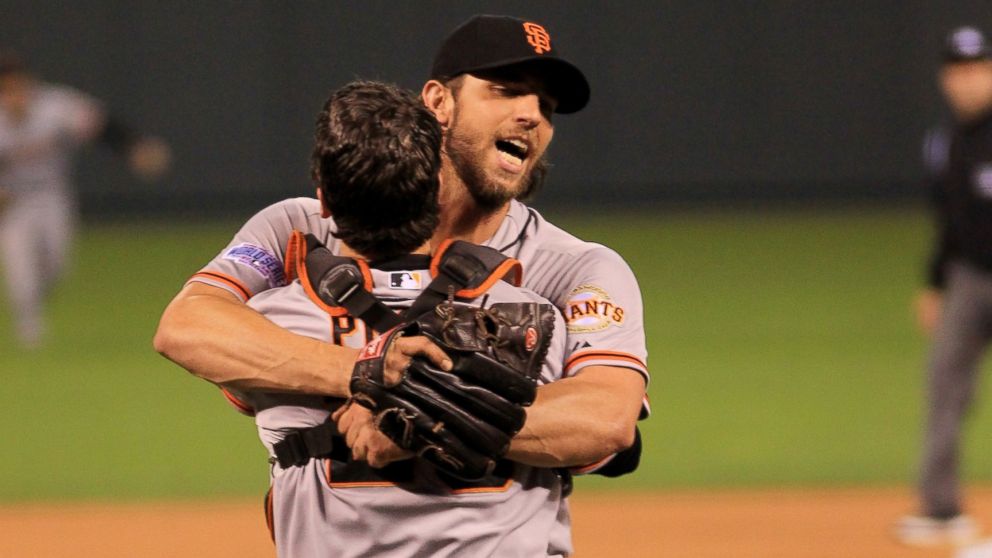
537	37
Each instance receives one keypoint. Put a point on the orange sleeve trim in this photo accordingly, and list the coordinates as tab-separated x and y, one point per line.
225	279
592	467
586	356
240	405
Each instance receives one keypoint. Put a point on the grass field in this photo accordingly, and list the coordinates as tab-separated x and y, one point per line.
781	347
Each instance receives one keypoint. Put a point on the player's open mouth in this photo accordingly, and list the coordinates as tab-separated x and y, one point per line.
513	151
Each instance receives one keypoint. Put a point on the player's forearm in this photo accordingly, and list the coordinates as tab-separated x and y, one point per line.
216	337
580	420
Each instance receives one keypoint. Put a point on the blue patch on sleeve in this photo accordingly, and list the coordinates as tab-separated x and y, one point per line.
260	260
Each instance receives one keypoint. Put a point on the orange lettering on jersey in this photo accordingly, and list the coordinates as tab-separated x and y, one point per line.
347	331
537	37
618	314
590	308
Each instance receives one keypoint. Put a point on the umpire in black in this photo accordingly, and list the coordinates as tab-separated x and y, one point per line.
956	306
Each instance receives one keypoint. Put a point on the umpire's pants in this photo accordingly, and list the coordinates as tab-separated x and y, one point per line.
959	342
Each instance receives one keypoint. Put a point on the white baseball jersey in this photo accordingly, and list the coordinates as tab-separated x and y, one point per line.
343	509
590	284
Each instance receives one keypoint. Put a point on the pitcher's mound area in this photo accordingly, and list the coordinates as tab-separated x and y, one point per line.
786	523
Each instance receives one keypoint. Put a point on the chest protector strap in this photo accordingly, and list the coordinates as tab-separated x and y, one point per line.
341	282
466	271
460	269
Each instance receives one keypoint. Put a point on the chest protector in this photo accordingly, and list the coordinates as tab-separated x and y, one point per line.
460	270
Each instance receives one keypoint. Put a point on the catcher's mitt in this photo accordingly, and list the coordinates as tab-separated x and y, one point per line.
460	421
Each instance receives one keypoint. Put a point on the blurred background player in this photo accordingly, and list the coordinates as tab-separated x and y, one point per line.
42	126
955	308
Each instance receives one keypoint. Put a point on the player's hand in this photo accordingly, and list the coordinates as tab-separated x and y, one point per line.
150	158
366	442
928	305
403	349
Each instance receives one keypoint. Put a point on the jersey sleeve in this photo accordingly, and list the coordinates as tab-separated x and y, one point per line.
603	314
254	260
604	319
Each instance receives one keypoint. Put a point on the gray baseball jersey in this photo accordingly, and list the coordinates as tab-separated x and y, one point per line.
591	285
37	217
325	509
36	154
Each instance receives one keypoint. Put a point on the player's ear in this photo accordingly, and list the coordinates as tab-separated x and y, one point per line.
324	212
438	99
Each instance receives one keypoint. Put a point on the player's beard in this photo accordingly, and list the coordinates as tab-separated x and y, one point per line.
467	153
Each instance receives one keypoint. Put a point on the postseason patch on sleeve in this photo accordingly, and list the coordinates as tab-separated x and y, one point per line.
260	260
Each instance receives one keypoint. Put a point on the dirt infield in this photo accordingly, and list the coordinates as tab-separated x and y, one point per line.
814	523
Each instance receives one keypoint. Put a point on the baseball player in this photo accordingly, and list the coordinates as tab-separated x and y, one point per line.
956	306
378	146
495	84
41	128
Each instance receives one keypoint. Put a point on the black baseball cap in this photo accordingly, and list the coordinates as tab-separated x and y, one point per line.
487	42
966	43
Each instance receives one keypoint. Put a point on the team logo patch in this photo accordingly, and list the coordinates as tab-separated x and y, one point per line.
260	260
590	308
983	180
408	280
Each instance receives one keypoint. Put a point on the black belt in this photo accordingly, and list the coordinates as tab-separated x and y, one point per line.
323	441
300	446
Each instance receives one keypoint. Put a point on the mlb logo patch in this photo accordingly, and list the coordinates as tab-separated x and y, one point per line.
407	280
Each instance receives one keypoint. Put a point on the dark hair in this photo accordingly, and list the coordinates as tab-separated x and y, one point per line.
376	158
